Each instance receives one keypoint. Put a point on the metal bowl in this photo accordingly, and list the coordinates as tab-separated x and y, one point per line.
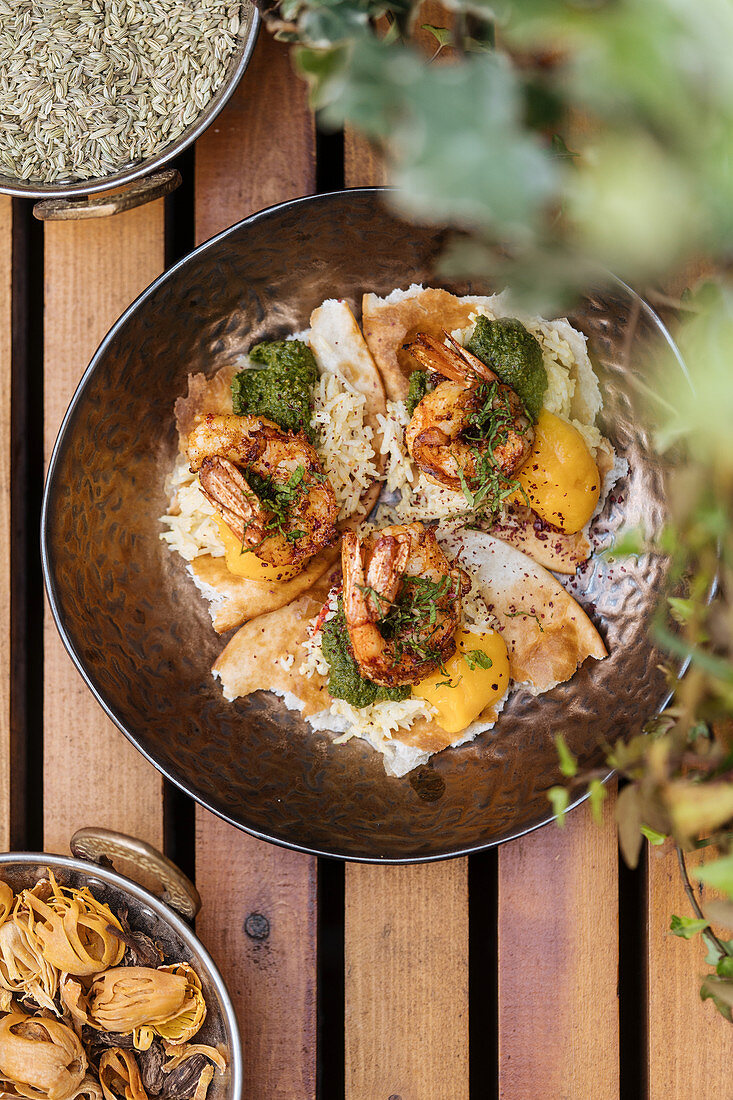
139	631
126	174
147	913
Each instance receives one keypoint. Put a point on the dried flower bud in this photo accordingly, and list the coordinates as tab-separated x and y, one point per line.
42	1059
23	969
186	1022
119	1076
167	1002
73	931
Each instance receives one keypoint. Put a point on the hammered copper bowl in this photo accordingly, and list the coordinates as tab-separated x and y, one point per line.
139	631
147	913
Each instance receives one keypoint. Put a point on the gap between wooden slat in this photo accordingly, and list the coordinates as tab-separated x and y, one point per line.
558	961
6	272
690	1044
92	775
259	912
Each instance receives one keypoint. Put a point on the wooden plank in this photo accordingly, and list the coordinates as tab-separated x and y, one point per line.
259	921
558	961
260	151
6	269
690	1044
406	938
406	966
92	775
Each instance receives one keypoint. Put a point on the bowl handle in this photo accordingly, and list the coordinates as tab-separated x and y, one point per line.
136	194
141	862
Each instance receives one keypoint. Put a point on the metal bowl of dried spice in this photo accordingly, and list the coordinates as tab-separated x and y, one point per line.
99	94
104	988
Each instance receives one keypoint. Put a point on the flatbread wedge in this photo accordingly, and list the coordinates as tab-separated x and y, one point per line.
338	345
548	636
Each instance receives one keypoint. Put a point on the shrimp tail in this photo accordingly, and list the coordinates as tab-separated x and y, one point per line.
452	361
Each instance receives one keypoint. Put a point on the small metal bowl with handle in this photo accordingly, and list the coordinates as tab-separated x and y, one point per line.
126	873
146	180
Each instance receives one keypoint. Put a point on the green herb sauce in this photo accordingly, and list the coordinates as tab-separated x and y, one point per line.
420	385
281	389
345	680
508	348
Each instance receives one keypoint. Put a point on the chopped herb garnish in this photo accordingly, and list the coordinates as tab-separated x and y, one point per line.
489	425
476	658
278	498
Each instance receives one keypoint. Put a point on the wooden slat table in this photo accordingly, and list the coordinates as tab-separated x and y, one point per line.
540	972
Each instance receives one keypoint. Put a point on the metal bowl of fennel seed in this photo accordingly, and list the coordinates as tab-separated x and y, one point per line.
98	94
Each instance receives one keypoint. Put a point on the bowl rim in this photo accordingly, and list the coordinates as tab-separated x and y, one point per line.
169	916
34	189
50	584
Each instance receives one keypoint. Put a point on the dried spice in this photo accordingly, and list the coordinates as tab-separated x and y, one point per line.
73	931
119	1076
59	950
42	1059
137	999
23	969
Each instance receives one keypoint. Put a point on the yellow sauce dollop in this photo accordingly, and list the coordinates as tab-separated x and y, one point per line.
560	477
247	564
473	687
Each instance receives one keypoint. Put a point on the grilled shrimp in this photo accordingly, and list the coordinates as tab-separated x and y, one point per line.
402	602
267	484
470	418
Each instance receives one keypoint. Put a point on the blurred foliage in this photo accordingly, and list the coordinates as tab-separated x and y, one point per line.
567	134
564	137
679	772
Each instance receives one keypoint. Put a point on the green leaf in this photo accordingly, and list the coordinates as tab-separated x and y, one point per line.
476	658
652	835
713	956
568	763
718	874
725	967
441	34
682	610
597	795
720	991
686	927
560	800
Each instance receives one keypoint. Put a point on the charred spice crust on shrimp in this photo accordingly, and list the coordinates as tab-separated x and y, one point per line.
401	601
472	432
267	484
